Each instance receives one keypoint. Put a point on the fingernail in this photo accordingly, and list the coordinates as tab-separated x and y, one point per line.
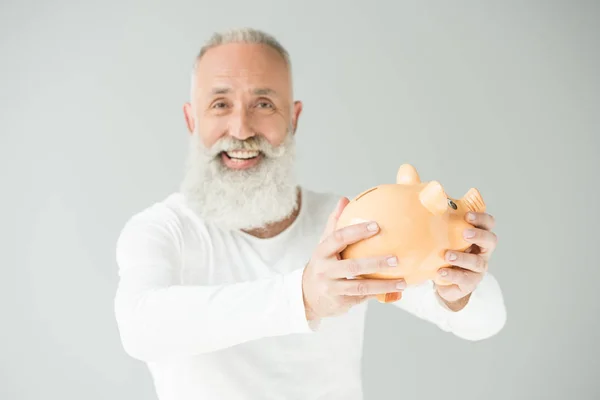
401	285
470	216
372	226
452	256
443	272
392	261
469	233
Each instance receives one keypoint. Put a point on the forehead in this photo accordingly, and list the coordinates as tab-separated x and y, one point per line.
240	66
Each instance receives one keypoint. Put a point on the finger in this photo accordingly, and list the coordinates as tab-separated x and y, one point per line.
356	300
393	297
474	249
470	261
481	220
343	202
450	292
332	220
359	266
365	287
340	238
486	240
465	279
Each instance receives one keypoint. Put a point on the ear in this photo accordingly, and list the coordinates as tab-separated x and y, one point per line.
473	200
407	175
296	111
189	117
433	197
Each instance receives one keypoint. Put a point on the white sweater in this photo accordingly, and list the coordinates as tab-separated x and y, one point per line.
220	315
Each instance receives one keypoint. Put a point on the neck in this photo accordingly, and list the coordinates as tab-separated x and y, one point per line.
274	229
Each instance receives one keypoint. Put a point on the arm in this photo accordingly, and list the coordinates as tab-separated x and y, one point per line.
159	318
482	317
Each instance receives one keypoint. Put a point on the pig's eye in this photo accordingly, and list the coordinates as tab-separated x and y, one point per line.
452	204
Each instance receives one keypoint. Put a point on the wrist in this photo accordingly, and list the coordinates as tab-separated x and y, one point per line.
455	305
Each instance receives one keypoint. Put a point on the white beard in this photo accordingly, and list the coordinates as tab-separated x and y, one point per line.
241	199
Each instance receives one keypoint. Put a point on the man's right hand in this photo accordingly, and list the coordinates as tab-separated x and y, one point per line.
327	291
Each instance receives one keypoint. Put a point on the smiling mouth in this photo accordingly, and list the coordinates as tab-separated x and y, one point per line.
241	159
241	155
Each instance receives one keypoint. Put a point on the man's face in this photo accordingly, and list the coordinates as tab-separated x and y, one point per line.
242	90
242	120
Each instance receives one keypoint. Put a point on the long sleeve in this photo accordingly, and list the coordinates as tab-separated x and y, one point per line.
159	318
482	317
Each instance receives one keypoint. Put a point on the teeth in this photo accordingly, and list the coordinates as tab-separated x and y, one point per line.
243	154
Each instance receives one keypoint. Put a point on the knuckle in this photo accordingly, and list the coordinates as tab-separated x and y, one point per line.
486	236
481	263
353	267
494	238
338	236
362	288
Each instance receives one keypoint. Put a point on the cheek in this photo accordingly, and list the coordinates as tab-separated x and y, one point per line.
211	130
274	130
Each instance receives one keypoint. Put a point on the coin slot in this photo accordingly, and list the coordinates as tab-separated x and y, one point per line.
364	193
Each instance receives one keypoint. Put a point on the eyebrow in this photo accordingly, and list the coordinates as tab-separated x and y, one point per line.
264	92
256	91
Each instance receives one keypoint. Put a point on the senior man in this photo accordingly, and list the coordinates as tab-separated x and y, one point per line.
232	288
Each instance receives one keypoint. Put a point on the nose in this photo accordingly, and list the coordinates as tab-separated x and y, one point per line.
240	126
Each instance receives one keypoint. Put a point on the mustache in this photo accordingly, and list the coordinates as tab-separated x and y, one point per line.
229	143
253	143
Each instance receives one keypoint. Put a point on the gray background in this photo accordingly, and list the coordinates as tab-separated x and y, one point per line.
503	96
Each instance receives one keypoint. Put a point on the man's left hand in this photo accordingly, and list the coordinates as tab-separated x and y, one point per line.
468	267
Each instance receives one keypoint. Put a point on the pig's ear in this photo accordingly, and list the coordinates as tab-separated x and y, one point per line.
407	175
473	200
433	197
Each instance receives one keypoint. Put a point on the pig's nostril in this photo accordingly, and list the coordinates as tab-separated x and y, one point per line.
452	204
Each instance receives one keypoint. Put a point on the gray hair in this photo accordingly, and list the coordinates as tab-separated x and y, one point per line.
242	35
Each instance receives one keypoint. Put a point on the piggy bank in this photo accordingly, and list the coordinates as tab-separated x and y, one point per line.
418	223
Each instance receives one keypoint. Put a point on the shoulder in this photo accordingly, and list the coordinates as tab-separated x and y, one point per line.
156	226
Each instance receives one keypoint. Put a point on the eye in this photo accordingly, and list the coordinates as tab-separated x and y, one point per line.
264	104
219	104
452	204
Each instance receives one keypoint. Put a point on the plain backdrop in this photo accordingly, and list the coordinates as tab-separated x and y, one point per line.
502	96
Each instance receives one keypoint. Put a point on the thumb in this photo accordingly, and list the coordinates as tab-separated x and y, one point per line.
334	216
